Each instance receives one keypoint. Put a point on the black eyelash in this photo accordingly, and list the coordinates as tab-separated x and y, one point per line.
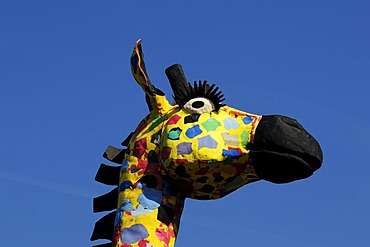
201	89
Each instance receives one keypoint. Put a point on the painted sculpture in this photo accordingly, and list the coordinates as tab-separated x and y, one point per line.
195	148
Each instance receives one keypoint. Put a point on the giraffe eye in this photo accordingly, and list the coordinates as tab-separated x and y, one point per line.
199	105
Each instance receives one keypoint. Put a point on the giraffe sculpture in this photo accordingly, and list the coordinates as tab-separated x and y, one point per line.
197	148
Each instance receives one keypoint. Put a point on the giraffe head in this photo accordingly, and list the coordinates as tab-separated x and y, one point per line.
198	148
208	149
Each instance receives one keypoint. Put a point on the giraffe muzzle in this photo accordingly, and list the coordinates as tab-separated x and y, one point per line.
283	151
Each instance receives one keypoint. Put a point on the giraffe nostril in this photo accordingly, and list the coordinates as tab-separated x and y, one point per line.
197	104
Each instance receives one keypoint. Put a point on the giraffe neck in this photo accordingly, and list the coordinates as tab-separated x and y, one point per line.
149	205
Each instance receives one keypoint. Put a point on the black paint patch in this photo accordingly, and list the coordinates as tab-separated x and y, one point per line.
191	118
156	138
152	157
165	214
181	171
230	179
149	180
218	179
205	197
207	188
202	179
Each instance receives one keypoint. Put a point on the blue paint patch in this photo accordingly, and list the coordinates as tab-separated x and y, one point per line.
193	131
135	170
125	165
117	220
150	199
231	153
140	185
184	148
247	120
207	142
140	210
125	185
167	189
230	123
126	205
133	234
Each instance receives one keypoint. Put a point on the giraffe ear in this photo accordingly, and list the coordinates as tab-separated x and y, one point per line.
139	71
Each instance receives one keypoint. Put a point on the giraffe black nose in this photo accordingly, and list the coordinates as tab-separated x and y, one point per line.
283	151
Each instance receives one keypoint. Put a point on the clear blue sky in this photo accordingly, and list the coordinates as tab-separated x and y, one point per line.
67	92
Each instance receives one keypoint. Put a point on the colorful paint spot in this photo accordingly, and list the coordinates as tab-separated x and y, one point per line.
174	134
193	131
184	148
125	165
191	118
238	181
174	119
230	139
156	138
233	153
133	234
165	153
207	142
156	122
247	120
150	199
211	124
230	123
245	138
139	147
140	210
125	185
164	235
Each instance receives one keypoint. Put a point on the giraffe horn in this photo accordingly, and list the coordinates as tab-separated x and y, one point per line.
179	84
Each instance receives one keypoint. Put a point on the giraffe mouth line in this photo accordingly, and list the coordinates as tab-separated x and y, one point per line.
280	167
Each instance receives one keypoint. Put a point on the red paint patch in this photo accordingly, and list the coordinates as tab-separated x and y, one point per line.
236	113
202	171
143	243
139	148
237	149
174	119
141	166
116	236
165	153
216	174
165	236
179	161
239	167
126	245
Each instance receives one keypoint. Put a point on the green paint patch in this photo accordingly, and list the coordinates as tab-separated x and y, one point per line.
228	161
245	137
157	121
235	183
174	134
213	163
211	124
